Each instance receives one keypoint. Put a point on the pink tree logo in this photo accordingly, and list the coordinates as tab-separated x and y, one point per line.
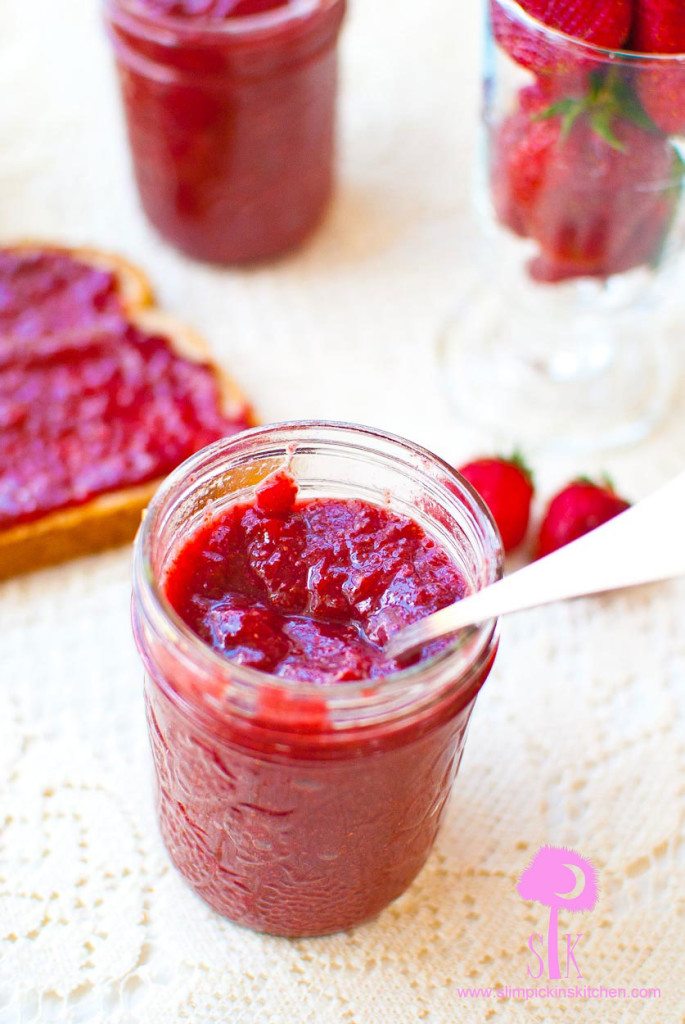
562	880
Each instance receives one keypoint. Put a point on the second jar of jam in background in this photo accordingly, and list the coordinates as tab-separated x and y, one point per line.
231	119
295	808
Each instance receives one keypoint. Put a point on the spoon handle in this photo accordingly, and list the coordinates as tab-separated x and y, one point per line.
645	544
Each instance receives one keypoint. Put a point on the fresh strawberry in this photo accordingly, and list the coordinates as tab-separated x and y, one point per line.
506	487
522	150
588	178
662	94
660	28
604	23
575	511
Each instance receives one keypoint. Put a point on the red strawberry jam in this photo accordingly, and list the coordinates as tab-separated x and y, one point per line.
213	8
48	292
230	107
301	779
97	410
309	590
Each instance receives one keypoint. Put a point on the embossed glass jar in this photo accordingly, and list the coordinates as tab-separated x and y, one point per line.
231	122
302	809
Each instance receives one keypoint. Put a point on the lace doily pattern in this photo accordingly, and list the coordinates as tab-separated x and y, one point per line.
578	738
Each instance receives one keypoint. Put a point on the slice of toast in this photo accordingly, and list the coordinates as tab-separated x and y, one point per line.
113	518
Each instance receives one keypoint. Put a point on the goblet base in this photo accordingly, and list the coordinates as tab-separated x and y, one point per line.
553	376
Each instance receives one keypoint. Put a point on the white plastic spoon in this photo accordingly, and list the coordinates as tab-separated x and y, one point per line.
645	544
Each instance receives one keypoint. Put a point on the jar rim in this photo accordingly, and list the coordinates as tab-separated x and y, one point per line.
396	690
613	56
163	28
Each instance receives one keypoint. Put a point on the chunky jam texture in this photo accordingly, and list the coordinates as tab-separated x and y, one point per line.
309	590
88	402
278	820
50	292
92	413
232	134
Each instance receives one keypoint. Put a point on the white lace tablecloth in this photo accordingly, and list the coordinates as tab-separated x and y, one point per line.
578	738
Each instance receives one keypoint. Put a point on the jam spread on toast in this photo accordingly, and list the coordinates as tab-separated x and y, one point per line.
89	402
48	292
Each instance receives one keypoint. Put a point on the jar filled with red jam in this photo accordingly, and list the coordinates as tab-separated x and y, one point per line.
302	776
230	106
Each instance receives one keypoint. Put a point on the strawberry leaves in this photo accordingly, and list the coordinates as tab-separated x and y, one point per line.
568	109
609	98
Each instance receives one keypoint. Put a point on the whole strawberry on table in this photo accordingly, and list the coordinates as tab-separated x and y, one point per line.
578	508
584	164
507	488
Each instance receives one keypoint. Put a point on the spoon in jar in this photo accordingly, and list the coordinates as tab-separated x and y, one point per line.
642	545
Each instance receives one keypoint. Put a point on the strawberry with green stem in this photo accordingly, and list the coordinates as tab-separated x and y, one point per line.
588	177
506	486
580	507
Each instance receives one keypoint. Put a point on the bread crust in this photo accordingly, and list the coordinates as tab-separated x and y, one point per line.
113	518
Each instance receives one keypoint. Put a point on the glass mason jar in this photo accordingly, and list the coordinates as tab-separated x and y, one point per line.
231	123
581	202
300	809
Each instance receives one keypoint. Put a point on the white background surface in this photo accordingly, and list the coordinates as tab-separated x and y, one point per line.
578	737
